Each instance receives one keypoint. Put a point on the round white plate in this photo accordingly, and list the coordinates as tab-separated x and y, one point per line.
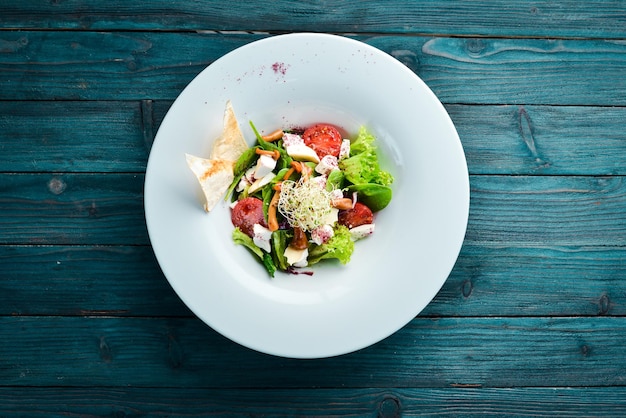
295	80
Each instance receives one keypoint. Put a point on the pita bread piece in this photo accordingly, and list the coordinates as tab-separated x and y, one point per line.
231	144
215	177
215	174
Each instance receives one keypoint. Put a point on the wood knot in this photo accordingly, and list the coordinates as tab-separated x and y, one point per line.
8	47
467	288
527	133
93	210
105	351
56	186
131	65
389	407
147	123
604	304
475	46
585	350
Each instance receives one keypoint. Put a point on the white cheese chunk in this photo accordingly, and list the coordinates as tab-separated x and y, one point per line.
327	164
261	182
322	234
296	258
320	181
249	174
361	231
243	183
301	152
336	194
292	139
264	165
344	151
262	237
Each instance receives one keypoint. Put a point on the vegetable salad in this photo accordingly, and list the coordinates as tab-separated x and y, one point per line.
301	196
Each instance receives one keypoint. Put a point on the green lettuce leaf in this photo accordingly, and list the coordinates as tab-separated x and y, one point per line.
340	246
374	196
242	239
279	244
335	180
285	160
362	166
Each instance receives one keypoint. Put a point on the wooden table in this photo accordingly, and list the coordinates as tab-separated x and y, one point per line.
530	322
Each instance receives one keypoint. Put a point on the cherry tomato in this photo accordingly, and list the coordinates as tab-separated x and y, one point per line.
358	215
324	139
246	213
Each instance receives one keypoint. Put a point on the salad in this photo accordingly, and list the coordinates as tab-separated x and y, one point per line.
300	196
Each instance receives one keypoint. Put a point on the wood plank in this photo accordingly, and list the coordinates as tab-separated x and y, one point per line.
548	281
392	402
106	66
72	209
85	280
515	71
594	18
184	353
46	136
545	140
127	281
76	136
521	211
141	65
538	211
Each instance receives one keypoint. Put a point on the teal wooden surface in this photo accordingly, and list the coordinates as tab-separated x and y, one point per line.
429	352
89	280
104	280
72	209
106	136
382	403
130	66
531	321
569	18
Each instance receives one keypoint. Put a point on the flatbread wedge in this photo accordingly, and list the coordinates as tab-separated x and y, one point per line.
215	174
231	144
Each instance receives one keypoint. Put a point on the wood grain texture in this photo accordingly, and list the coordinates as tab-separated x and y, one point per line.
542	140
185	353
73	136
105	65
514	71
486	281
504	280
72	209
380	403
142	65
547	211
571	18
84	281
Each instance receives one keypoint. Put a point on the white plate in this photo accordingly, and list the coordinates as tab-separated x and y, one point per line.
295	80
